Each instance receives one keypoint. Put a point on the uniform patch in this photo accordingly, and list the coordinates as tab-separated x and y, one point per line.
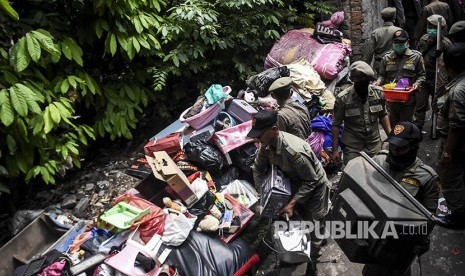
398	129
411	181
299	161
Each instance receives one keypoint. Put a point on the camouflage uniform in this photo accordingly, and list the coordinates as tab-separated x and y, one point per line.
394	67
380	42
294	118
439	8
452	115
427	47
361	130
419	179
297	160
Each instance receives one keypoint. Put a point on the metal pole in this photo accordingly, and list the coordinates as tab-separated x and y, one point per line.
434	118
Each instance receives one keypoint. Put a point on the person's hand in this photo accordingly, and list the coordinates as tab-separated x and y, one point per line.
415	86
335	156
445	159
376	83
288	209
434	107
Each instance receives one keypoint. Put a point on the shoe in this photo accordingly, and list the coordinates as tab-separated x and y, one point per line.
454	221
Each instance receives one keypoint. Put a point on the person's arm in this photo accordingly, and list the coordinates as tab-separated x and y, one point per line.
369	50
385	124
420	29
308	181
381	73
338	118
456	125
260	168
421	74
430	194
400	16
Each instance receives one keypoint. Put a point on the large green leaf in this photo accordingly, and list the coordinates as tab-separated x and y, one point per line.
113	45
46	41
22	56
5	5
48	121
7	115
31	98
54	113
11	144
18	100
33	47
76	51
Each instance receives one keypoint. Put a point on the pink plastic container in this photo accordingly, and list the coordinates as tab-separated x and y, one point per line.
200	120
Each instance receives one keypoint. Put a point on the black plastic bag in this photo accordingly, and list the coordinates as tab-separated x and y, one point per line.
205	156
244	156
229	174
262	82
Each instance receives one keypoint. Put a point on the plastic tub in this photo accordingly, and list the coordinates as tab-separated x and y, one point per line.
398	95
200	120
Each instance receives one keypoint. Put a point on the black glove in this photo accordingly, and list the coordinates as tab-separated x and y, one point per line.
437	53
422	247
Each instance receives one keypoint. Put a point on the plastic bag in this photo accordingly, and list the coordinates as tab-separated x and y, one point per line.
244	156
215	94
205	156
177	228
233	137
150	224
262	82
228	175
242	191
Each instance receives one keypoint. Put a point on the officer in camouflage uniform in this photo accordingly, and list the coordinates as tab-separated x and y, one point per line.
381	38
420	180
360	108
451	126
399	63
435	7
293	117
309	184
427	47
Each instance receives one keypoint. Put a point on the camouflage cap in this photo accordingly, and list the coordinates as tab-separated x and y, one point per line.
434	20
457	27
388	13
360	70
281	83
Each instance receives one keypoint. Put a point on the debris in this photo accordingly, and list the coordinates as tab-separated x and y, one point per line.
69	202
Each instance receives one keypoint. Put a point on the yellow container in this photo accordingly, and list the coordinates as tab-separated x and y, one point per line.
390	85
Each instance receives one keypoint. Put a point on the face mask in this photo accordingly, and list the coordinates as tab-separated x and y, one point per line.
361	88
399	48
401	162
432	32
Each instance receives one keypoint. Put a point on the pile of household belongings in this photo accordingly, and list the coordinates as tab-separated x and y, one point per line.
183	218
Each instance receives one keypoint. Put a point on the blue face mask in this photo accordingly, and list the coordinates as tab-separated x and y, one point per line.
399	47
432	32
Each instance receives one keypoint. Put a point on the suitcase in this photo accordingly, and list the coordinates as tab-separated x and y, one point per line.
241	110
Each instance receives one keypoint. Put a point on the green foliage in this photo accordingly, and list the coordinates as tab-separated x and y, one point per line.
74	70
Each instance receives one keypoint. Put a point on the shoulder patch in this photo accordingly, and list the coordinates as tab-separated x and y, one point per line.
411	181
343	93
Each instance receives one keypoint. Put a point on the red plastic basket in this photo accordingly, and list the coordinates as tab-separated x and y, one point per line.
398	94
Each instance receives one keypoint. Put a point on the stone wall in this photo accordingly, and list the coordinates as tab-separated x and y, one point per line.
361	18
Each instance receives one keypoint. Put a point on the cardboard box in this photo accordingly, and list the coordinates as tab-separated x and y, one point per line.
165	169
275	192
